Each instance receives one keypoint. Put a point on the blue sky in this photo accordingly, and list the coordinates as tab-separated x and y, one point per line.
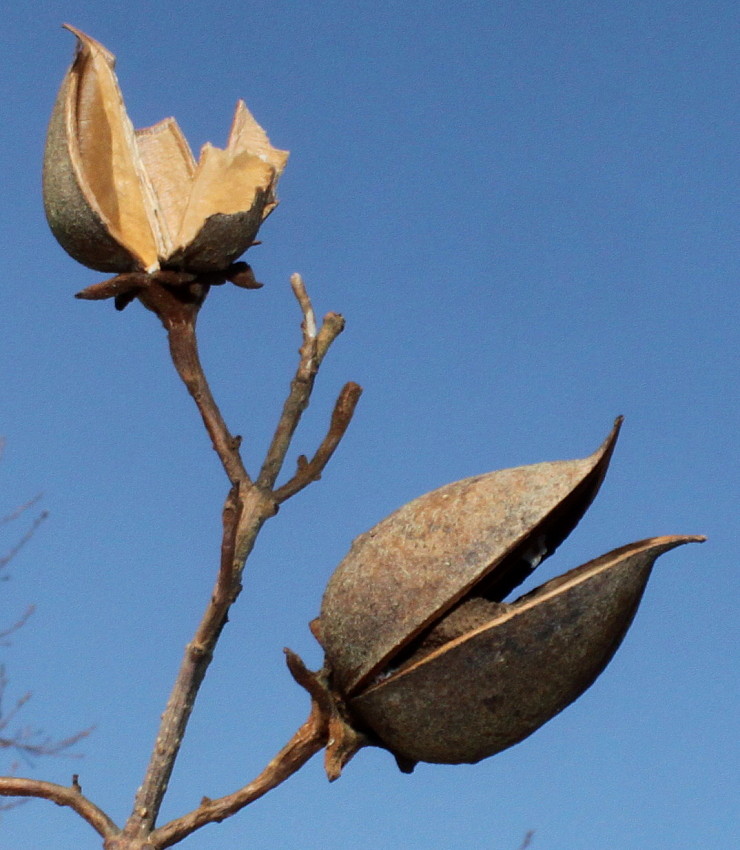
527	212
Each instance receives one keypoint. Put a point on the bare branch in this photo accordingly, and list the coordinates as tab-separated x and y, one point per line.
254	510
309	317
307	741
12	786
7	718
310	470
27	741
19	623
14	514
47	747
184	351
331	327
12	803
312	351
248	505
5	559
527	840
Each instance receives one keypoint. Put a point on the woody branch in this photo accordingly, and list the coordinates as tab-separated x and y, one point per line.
248	504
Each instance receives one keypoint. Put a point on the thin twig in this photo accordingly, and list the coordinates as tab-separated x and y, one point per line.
312	351
62	795
310	470
184	351
19	623
306	742
245	510
5	559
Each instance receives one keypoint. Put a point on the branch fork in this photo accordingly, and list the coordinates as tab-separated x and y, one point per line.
176	298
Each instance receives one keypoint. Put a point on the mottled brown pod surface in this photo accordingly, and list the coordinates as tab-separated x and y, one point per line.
424	656
491	688
403	574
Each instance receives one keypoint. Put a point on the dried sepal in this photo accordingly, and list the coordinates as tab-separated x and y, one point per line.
120	200
343	740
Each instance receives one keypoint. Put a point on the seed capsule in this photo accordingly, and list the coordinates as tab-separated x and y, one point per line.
123	200
500	681
424	654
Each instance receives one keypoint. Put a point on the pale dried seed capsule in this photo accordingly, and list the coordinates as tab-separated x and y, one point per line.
120	200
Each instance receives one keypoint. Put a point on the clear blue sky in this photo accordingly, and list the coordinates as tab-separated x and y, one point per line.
527	212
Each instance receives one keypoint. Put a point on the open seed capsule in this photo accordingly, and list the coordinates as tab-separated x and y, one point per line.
493	686
120	200
424	654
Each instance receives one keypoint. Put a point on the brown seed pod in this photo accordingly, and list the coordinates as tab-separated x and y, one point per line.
125	200
423	652
497	683
408	571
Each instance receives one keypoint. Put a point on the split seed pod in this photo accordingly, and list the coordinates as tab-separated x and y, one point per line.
123	200
423	654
